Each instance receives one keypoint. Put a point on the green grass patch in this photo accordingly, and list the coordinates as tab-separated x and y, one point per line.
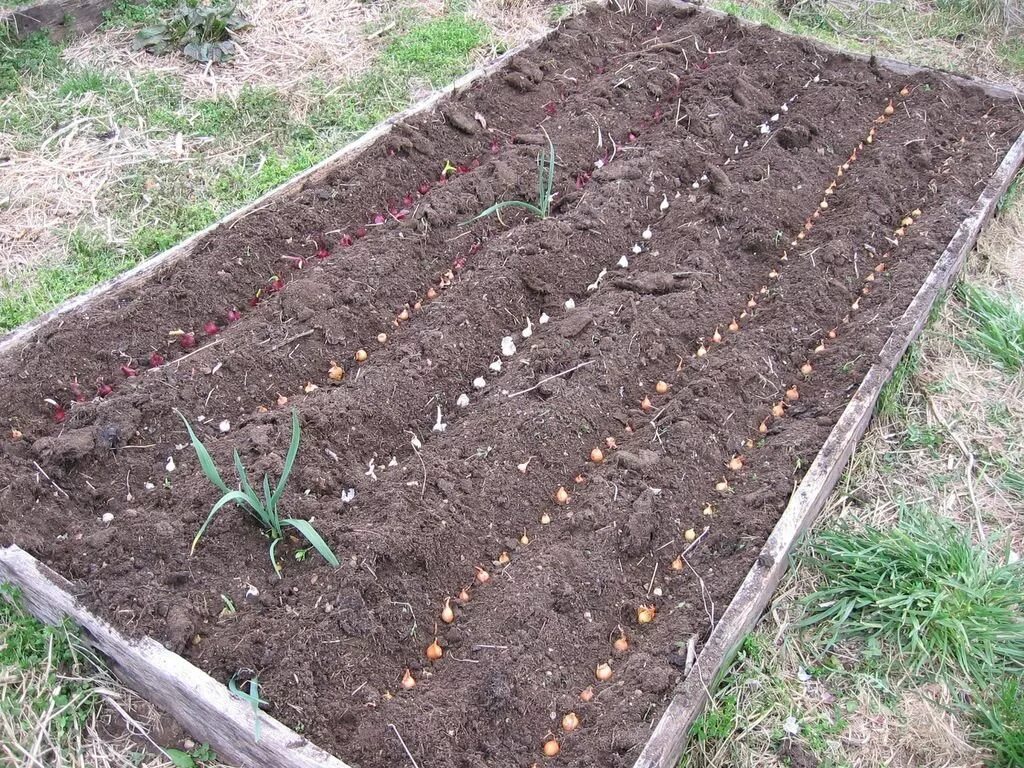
1013	192
1001	725
437	49
90	261
52	663
717	722
1011	53
20	58
996	334
253	111
126	13
85	80
896	394
558	13
924	588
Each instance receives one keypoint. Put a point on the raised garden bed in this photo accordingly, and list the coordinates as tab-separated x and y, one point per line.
740	223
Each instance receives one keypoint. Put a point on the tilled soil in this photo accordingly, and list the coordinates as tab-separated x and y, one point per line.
690	154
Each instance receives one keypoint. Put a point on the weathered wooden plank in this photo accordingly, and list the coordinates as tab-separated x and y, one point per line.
203	706
57	18
668	741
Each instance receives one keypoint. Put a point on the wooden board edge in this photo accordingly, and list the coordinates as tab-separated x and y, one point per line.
995	90
58	19
668	741
204	707
126	280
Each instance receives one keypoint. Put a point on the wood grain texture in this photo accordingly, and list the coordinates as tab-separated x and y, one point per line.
203	706
668	741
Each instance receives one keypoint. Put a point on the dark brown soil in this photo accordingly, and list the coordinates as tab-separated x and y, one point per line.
663	101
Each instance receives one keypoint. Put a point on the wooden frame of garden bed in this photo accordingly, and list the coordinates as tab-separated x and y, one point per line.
210	713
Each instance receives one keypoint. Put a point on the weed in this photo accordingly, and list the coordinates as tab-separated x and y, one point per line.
892	401
264	509
717	722
920	436
559	12
193	758
1013	192
999	414
56	703
925	587
545	181
998	333
203	32
1013	481
1001	725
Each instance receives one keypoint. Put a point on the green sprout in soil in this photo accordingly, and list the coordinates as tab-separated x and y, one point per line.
265	509
252	696
545	181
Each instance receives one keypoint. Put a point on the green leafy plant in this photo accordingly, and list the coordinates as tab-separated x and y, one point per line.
202	32
252	696
193	758
545	181
264	509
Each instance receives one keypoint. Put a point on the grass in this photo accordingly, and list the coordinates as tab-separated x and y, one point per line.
46	704
89	261
1014	191
436	49
126	13
925	587
35	55
958	34
892	401
1012	480
1001	724
996	327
